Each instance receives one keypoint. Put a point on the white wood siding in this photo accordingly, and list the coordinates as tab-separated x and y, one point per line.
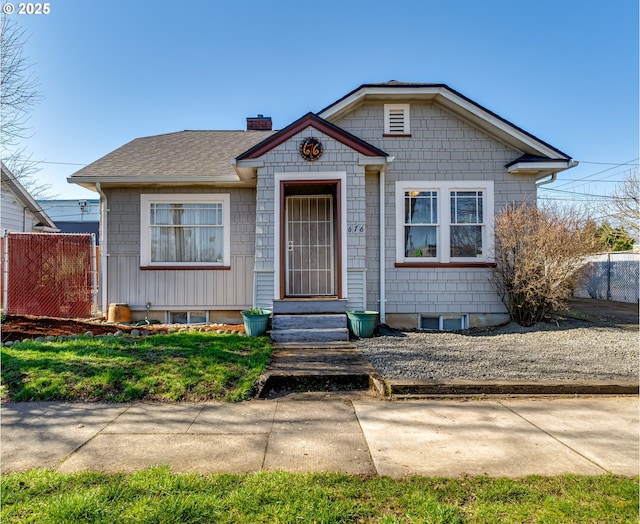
181	289
14	216
356	288
264	281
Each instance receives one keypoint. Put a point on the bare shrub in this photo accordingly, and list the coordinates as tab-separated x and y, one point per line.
626	203
538	257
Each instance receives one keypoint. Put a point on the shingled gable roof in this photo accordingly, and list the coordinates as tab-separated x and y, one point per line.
312	120
181	157
453	101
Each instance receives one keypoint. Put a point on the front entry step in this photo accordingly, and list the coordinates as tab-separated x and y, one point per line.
302	306
310	335
308	322
300	367
301	321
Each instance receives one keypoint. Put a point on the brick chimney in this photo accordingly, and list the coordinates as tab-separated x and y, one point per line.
259	123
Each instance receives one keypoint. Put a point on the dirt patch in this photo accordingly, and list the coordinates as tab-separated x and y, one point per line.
621	314
22	327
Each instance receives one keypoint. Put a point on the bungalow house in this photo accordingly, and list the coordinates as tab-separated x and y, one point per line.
384	200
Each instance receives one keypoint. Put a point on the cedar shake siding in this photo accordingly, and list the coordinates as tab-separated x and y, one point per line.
441	148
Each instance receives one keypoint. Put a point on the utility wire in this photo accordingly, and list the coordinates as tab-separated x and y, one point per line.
576	193
632	163
599	172
36	162
609	179
61	163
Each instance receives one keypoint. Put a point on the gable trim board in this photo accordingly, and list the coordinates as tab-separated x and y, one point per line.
312	120
437	184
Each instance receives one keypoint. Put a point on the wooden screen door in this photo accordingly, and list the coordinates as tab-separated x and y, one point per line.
309	256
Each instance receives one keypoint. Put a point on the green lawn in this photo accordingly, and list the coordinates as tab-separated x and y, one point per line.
180	366
158	496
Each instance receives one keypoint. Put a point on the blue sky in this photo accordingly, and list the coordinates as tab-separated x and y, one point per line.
564	70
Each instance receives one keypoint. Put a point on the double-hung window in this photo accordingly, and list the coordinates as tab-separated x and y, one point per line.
444	222
184	230
420	224
466	219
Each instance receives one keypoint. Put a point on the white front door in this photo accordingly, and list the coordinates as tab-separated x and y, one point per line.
309	245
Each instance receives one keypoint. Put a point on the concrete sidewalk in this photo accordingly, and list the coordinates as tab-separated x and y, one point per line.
355	435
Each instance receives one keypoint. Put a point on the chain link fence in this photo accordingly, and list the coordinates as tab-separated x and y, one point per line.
49	274
613	276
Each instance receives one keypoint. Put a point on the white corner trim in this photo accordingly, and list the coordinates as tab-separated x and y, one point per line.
374	160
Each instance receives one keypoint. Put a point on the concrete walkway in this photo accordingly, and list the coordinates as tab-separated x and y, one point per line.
350	434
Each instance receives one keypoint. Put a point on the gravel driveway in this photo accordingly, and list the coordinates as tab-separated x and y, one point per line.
567	350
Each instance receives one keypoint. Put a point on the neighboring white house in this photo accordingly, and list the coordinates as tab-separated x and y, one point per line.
20	213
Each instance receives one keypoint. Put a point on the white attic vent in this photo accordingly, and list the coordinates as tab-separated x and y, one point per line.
396	119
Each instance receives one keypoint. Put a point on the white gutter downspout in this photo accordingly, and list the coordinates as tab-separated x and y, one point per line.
572	163
382	256
103	247
548	181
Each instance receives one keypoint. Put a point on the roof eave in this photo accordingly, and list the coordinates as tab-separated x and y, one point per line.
540	168
46	229
357	96
90	182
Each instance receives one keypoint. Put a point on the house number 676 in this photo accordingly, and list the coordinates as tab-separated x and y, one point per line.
358	228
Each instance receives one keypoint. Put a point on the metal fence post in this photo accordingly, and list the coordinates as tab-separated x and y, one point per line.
5	273
94	277
615	276
608	276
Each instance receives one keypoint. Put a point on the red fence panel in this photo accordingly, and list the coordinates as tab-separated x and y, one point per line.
49	275
2	266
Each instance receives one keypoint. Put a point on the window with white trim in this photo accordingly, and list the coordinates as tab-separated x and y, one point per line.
396	119
444	222
185	230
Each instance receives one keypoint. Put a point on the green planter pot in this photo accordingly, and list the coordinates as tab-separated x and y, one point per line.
255	324
362	323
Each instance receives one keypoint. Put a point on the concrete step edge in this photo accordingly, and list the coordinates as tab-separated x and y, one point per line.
309	321
316	335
